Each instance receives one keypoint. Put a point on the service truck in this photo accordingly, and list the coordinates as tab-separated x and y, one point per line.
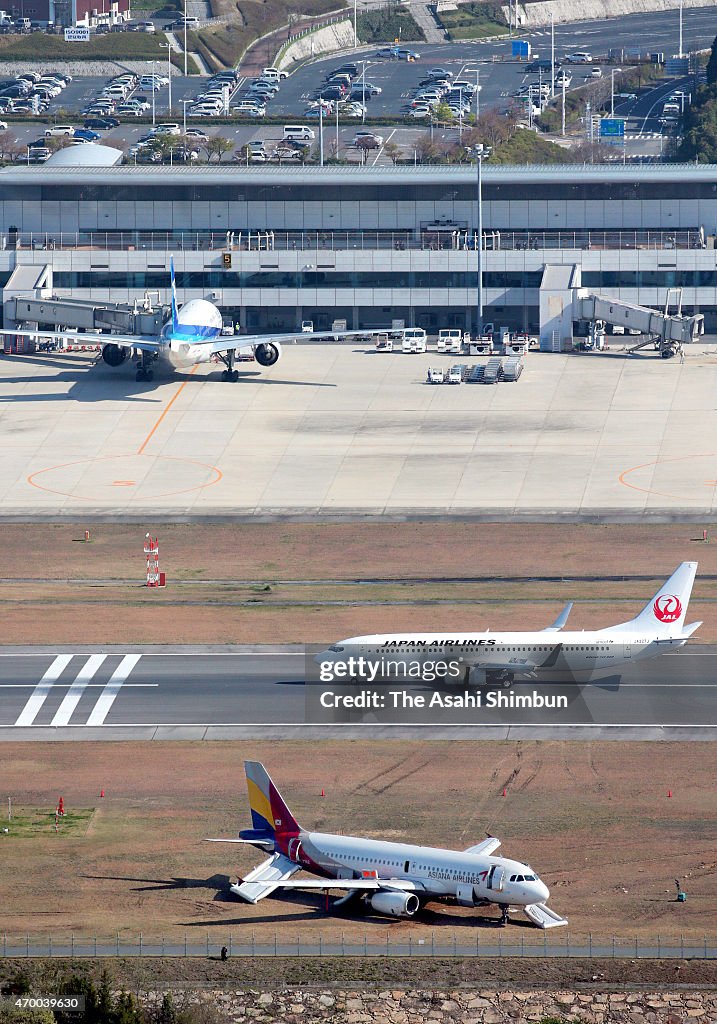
452	340
414	340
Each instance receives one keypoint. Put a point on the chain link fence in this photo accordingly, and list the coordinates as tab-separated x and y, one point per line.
544	944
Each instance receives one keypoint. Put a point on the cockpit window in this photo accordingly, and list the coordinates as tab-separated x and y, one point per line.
530	878
336	650
512	878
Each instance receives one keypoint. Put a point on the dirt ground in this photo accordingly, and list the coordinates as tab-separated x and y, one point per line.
106	602
594	819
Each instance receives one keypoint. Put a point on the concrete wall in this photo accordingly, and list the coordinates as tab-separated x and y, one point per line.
339	36
537	14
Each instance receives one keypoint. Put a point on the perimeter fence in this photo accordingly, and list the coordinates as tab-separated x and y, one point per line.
490	944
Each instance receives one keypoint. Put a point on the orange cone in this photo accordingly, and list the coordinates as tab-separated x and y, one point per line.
102	792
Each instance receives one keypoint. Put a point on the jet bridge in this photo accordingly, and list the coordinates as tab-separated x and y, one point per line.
77	314
666	331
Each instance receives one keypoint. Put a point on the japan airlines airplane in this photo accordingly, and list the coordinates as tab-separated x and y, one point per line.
500	658
394	878
193	335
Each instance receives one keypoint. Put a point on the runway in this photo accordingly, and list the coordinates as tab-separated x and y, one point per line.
261	692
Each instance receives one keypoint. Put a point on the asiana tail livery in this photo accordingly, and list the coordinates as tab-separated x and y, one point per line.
499	659
395	879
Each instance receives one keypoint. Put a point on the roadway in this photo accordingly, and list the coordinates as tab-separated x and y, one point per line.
231	692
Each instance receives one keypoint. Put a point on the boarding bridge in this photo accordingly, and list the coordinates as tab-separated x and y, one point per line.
28	299
666	331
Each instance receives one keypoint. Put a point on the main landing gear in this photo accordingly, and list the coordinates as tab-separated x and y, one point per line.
144	366
228	359
503	915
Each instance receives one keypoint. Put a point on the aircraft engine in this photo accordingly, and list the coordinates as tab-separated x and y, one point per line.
395	904
267	353
114	355
476	676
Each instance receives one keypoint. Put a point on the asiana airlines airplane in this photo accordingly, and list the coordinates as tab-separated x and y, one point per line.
192	335
499	659
395	879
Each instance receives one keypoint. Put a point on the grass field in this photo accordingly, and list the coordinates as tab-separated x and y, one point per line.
115	46
36	822
234	583
594	819
474	21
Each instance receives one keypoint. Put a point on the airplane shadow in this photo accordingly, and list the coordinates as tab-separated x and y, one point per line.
220	883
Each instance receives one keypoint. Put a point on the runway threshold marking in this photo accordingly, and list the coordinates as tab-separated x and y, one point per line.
164	412
39	695
73	695
113	687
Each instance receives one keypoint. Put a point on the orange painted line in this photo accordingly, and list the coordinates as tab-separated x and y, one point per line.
164	412
660	462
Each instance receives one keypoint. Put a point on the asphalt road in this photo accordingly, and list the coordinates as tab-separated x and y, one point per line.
239	691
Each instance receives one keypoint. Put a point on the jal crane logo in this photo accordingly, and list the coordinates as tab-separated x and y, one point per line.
667	608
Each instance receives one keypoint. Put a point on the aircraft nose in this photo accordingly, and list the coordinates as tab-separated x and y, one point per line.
326	655
542	891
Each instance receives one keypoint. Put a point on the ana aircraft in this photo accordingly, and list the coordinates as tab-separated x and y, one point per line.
500	658
393	878
192	335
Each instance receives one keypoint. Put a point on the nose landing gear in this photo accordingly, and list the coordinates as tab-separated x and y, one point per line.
144	366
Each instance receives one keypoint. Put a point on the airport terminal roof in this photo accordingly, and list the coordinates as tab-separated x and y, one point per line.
83	157
77	170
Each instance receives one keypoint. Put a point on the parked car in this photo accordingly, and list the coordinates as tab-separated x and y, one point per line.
59	130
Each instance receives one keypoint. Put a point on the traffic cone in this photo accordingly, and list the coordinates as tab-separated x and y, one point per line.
669	792
102	792
505	791
322	793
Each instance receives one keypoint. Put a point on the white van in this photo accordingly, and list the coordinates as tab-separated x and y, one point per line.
274	75
299	131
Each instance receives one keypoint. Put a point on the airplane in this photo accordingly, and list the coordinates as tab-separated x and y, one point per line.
394	879
192	335
498	659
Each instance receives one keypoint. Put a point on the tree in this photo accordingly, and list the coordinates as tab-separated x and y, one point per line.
167	1013
393	152
6	143
54	142
217	146
712	65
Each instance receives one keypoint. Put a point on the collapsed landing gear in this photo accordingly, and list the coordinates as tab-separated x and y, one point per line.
228	359
504	915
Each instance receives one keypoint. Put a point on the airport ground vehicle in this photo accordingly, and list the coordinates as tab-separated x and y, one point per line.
452	340
413	340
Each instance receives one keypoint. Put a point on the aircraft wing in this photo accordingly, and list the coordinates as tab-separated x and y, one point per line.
265	878
148	343
232	343
269	843
561	620
486	846
355	884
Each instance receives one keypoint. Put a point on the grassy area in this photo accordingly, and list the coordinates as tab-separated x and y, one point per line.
113	46
474	21
225	45
526	147
30	822
597	93
386	24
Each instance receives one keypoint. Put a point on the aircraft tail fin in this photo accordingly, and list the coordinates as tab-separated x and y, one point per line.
665	612
269	813
175	318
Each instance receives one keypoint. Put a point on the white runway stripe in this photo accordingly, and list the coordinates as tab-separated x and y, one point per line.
39	695
108	695
73	695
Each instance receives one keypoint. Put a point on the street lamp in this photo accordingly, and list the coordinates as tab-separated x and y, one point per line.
321	134
364	64
154	90
185	104
168	48
612	90
479	246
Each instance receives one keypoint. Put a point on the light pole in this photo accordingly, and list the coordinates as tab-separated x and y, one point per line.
185	104
479	245
321	134
364	64
154	90
355	28
168	48
185	38
680	53
612	90
460	113
552	54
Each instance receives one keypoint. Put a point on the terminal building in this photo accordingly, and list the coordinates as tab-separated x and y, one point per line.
274	246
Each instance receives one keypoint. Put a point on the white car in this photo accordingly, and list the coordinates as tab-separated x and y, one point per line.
579	57
3	126
59	130
422	111
368	139
596	72
166	129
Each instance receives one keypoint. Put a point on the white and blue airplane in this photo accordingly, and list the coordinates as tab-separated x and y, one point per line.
193	335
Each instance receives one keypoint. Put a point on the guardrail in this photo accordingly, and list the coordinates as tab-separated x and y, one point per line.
440	237
488	943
